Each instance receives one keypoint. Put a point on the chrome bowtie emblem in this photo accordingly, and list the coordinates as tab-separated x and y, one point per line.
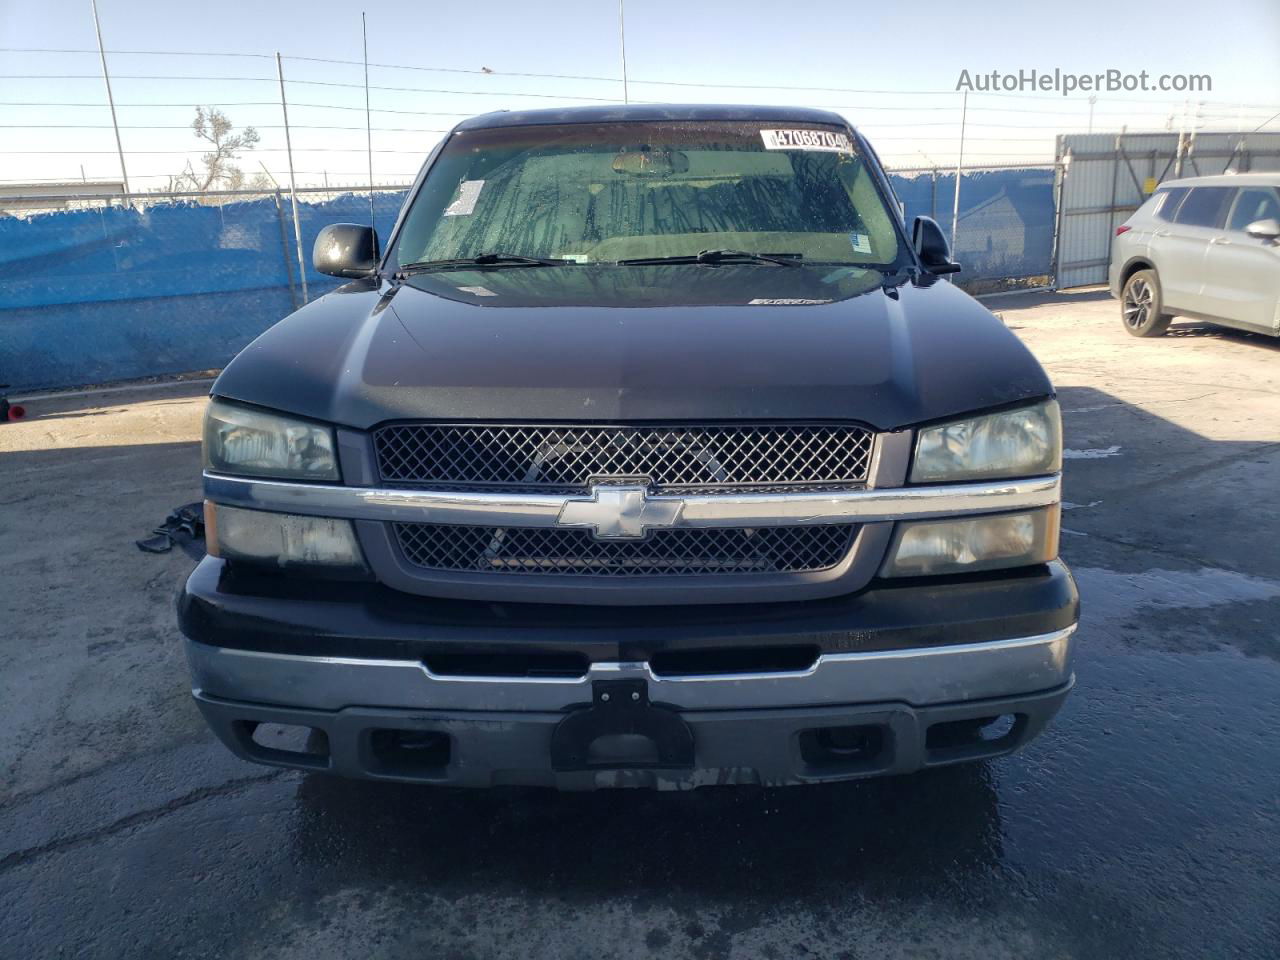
620	512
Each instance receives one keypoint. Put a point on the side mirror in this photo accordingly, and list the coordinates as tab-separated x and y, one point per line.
931	246
1268	229
346	250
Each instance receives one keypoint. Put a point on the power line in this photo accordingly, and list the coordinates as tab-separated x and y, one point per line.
131	53
183	153
709	85
1263	124
249	103
122	76
187	126
466	93
312	83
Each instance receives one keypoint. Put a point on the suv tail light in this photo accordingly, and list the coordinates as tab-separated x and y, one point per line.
1123	228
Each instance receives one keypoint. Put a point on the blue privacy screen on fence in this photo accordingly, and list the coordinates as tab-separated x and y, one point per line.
1006	218
90	296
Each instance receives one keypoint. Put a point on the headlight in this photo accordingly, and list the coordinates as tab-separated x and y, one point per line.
1013	443
282	540
242	441
995	542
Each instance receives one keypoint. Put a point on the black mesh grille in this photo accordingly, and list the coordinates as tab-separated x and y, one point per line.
684	552
672	459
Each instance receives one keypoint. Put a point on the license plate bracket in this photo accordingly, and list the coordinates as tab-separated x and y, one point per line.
621	709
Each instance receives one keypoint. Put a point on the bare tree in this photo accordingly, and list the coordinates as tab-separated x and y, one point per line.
220	170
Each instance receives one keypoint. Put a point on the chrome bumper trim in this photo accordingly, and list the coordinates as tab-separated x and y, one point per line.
918	676
701	510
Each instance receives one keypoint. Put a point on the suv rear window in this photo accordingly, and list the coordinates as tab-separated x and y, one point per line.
1205	207
1171	198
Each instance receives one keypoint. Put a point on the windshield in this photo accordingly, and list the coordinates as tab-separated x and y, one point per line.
604	192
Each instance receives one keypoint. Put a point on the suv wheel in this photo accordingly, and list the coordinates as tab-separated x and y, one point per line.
1141	306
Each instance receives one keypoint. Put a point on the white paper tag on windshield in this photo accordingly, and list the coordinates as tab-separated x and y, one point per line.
468	194
477	291
827	141
861	242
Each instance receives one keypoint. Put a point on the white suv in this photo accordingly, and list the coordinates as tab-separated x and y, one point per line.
1207	248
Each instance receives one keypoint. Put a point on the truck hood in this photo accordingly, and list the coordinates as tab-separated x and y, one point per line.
609	344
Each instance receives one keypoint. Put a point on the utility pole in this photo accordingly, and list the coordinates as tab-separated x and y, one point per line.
622	40
293	183
955	199
111	102
1092	101
368	123
1182	139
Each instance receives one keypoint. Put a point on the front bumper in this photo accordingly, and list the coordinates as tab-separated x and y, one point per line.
908	671
771	747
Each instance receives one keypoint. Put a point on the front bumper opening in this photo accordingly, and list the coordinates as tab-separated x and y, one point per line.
288	744
855	749
713	661
409	754
974	737
502	664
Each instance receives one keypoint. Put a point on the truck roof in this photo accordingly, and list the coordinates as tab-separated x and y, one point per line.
648	112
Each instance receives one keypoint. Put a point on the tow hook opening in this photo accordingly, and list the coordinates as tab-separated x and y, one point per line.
290	743
409	753
860	747
975	736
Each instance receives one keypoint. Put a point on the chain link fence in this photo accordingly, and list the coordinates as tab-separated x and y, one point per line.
97	288
164	284
1005	224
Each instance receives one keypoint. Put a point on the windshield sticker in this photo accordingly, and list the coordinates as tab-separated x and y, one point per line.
861	242
477	291
824	140
468	194
783	302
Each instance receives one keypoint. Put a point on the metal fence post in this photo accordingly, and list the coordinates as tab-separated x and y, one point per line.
1061	165
284	249
1115	183
293	183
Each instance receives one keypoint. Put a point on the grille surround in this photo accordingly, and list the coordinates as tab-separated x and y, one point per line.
673	459
685	553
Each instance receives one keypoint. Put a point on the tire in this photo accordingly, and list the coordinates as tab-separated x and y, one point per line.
1142	306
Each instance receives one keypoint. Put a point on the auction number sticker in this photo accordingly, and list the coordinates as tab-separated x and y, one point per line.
827	141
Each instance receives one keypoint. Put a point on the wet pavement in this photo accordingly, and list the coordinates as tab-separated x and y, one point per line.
1144	823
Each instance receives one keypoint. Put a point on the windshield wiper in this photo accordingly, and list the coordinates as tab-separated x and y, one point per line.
719	256
482	260
893	277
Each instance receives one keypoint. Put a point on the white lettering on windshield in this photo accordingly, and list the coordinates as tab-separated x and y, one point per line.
825	140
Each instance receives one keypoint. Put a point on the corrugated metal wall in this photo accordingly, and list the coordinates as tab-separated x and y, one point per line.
1103	178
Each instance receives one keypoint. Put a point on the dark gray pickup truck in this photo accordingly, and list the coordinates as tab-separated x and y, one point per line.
652	450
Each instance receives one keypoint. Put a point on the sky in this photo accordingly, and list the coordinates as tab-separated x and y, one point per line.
892	69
